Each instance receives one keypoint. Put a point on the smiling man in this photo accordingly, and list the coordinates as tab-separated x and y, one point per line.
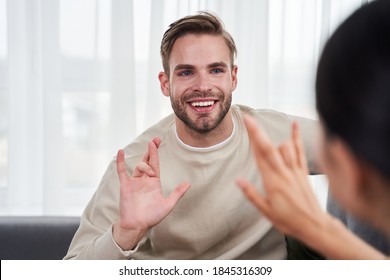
199	81
155	214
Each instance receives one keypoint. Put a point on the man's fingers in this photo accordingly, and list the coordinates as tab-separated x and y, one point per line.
157	141
141	169
154	163
121	167
154	160
177	193
254	196
146	156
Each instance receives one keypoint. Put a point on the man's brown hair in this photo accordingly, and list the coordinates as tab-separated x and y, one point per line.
201	23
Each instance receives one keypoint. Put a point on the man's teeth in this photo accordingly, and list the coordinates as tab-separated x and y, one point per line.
202	104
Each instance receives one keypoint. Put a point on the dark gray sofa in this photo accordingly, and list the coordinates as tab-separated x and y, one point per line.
36	238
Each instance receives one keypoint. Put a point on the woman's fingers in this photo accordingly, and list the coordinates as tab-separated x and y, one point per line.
254	196
287	152
298	146
267	156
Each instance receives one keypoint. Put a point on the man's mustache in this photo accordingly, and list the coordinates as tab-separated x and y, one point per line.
201	94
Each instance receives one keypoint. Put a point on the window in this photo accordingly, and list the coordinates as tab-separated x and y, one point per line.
78	81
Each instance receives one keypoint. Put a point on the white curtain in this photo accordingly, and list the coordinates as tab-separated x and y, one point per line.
78	80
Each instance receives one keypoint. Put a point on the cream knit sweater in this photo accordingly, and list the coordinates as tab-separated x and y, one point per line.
213	220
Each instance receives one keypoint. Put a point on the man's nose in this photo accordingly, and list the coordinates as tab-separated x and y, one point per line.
202	82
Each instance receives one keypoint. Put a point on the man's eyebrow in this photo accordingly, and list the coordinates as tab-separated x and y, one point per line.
191	67
217	64
183	67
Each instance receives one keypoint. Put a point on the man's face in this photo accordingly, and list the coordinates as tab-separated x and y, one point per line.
201	81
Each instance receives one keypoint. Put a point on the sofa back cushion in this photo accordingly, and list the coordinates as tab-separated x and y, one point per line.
36	238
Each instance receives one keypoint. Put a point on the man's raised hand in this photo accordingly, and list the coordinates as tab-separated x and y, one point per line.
142	204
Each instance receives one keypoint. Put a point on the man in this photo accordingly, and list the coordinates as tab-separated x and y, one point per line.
205	144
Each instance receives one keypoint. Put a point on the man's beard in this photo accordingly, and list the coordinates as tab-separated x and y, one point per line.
203	124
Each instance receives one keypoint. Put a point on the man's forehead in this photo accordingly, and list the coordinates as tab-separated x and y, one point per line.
199	50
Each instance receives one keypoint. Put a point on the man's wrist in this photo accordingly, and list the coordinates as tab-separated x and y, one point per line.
126	239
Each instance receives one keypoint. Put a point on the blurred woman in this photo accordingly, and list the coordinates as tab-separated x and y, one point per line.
353	103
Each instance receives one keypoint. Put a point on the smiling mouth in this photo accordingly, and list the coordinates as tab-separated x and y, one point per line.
202	104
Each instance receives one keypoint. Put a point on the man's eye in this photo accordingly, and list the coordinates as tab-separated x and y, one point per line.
217	71
185	73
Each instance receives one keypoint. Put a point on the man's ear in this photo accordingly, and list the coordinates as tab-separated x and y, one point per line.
234	77
164	83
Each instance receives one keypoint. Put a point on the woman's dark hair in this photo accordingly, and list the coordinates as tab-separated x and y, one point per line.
353	84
